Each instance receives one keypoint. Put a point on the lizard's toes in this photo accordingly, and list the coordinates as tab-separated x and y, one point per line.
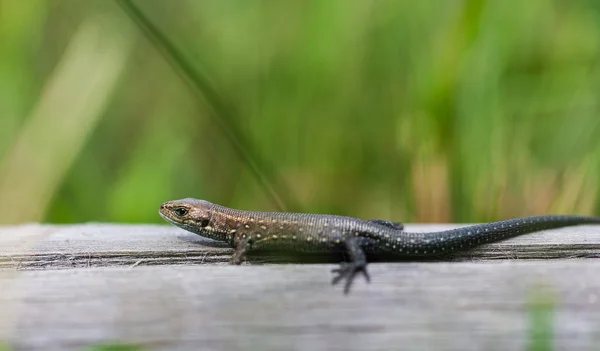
348	271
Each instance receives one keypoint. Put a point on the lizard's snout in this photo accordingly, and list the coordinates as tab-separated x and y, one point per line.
163	208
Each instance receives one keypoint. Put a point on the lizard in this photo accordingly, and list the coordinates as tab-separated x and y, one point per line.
307	232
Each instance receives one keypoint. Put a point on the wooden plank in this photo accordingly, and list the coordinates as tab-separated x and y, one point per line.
35	246
408	306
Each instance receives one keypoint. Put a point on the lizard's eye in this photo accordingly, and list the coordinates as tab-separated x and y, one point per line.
181	211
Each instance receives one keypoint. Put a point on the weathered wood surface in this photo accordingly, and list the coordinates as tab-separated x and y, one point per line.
92	245
408	306
156	286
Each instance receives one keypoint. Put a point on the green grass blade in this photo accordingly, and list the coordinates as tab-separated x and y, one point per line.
223	115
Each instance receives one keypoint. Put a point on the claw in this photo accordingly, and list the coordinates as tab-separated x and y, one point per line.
366	274
348	271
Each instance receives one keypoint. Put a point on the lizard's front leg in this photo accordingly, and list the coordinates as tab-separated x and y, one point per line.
358	263
241	246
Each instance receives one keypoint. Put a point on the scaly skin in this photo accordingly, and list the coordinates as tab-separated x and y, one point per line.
246	230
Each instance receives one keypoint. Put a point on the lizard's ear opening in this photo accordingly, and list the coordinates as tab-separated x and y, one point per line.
204	223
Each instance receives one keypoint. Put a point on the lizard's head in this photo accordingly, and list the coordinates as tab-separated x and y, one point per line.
190	214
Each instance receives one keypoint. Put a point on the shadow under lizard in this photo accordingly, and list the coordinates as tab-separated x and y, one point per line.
307	232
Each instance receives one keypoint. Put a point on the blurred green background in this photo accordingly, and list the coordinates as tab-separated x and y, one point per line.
428	111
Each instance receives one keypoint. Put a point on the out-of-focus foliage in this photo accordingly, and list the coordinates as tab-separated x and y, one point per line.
454	111
114	347
542	310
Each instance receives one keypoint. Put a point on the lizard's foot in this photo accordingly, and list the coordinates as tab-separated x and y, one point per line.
348	271
236	260
239	252
238	257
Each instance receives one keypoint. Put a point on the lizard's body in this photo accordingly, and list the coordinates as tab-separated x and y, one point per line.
245	230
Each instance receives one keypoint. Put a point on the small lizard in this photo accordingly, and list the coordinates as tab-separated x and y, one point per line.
305	232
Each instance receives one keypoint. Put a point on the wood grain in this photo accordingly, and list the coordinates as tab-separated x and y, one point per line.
67	287
408	306
36	246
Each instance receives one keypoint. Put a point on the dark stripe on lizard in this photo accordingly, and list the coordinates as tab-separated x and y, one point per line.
305	232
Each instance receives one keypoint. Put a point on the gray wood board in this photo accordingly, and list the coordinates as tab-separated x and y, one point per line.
407	306
35	246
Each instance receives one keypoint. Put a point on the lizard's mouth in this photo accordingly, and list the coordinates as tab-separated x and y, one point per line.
164	214
160	212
